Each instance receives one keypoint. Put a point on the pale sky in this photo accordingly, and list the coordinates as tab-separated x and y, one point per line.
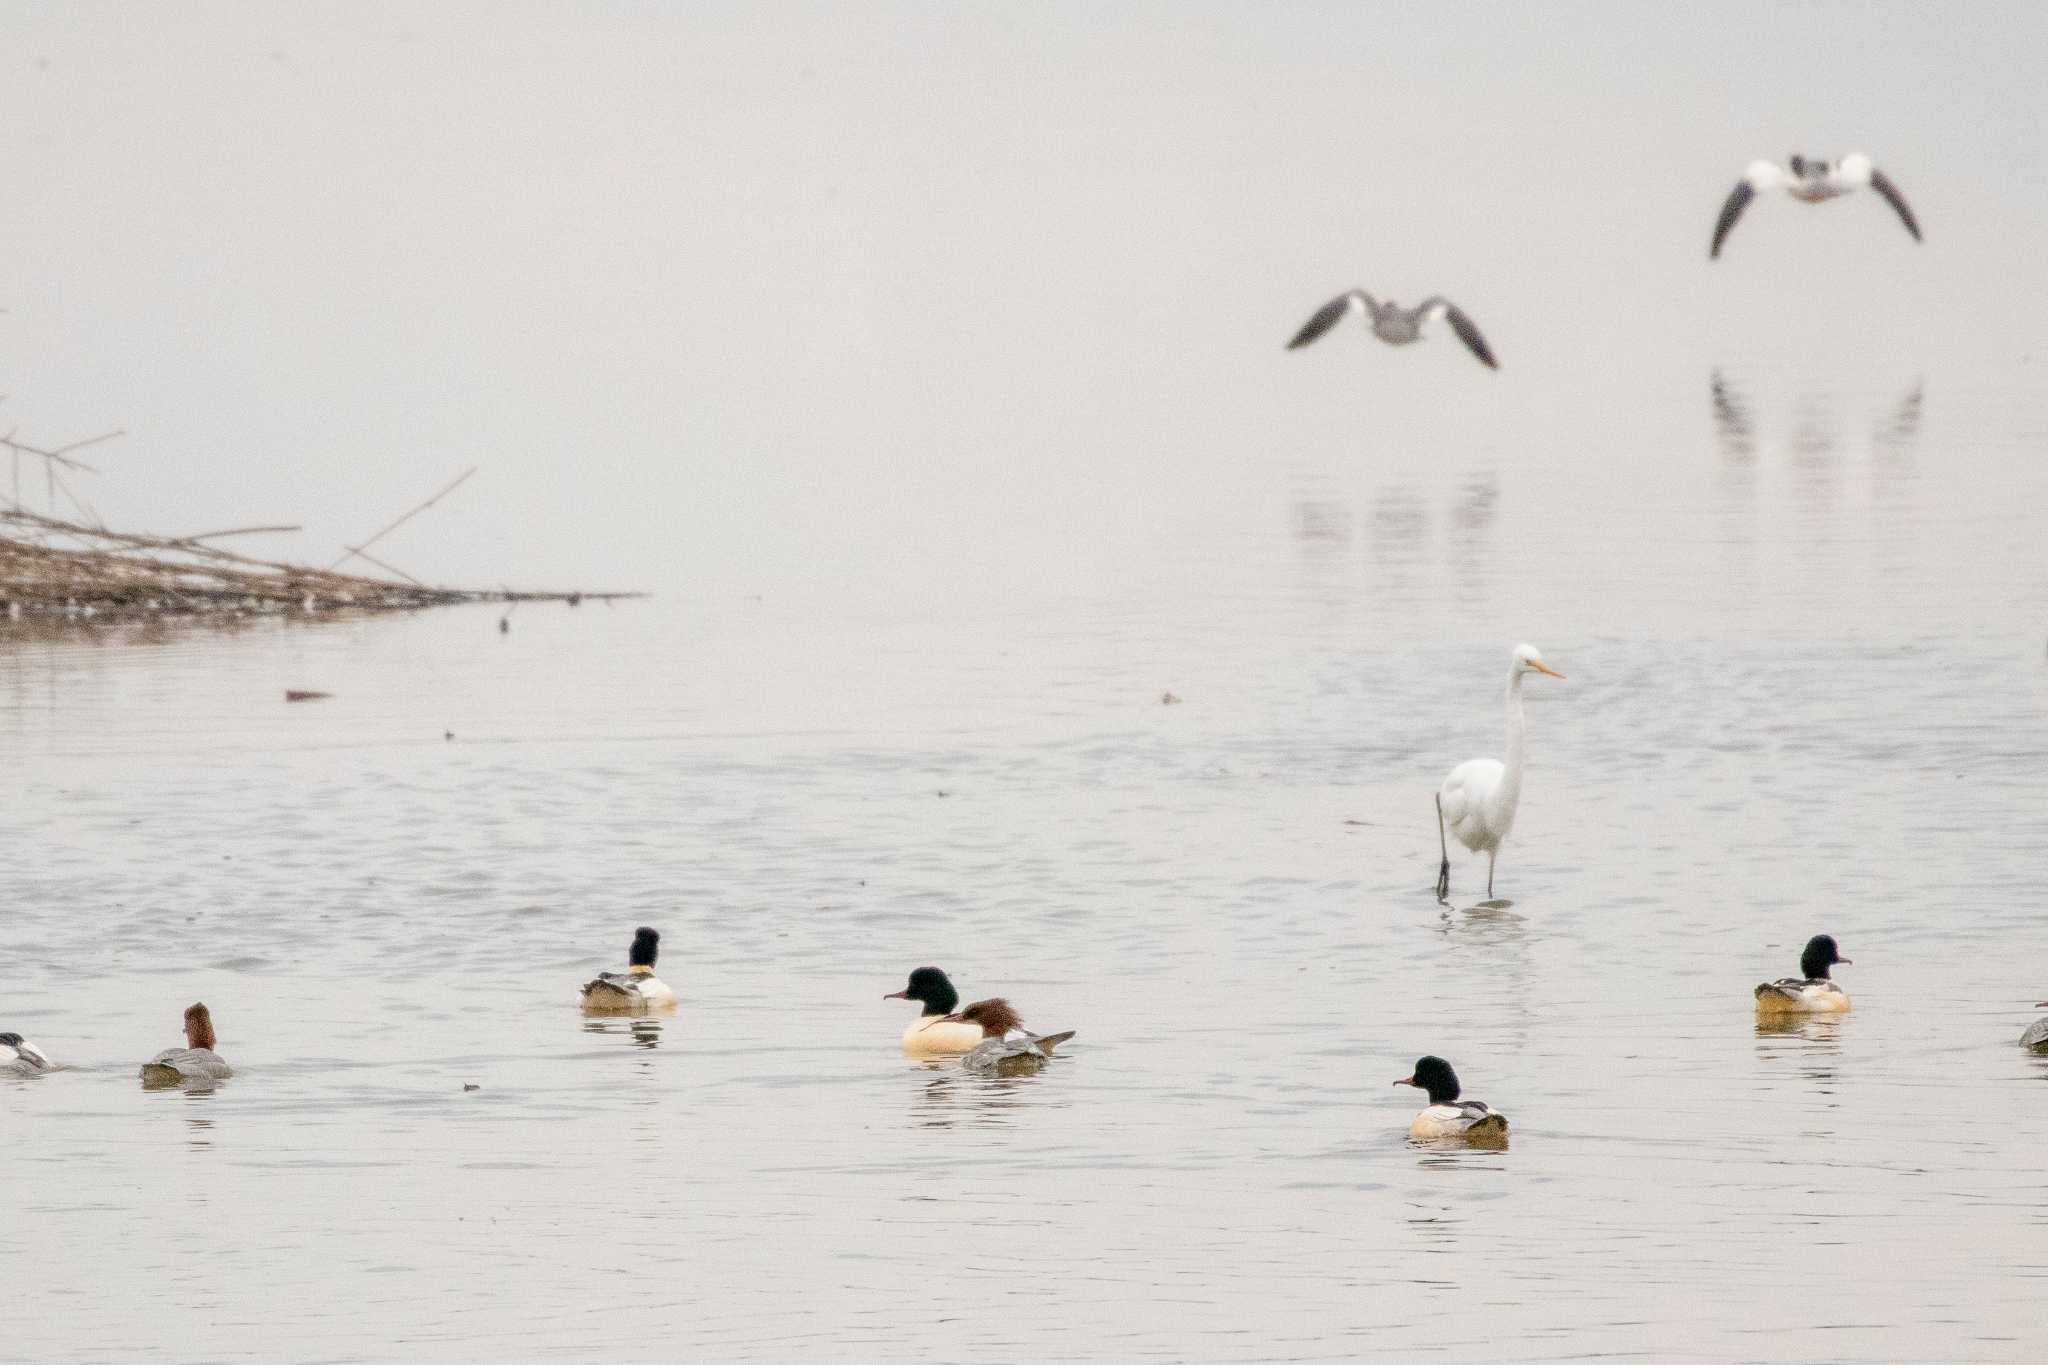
722	297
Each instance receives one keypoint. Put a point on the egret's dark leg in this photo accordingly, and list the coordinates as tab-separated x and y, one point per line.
1443	872
1491	855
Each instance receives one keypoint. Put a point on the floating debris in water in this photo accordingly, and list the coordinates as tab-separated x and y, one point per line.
299	694
1168	699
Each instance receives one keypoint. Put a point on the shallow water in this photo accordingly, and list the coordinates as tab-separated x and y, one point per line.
393	893
926	564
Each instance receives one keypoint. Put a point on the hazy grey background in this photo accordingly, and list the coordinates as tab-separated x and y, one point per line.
746	298
928	364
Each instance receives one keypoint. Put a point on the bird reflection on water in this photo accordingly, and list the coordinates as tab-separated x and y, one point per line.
951	1097
642	1031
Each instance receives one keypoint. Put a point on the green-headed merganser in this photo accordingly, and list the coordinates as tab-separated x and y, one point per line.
939	1031
1813	993
635	990
1447	1115
20	1057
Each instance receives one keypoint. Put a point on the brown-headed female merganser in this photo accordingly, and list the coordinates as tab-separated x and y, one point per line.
196	1061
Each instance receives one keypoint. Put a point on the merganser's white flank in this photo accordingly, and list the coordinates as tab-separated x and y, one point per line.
1812	993
1478	799
1393	324
2037	1032
20	1057
939	1031
1810	182
635	990
1447	1115
196	1061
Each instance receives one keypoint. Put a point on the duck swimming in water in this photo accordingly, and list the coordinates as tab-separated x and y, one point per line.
1001	1054
20	1057
1812	994
2036	1035
939	1032
1447	1115
635	990
196	1061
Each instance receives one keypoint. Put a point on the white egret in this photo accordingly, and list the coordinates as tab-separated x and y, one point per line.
1477	801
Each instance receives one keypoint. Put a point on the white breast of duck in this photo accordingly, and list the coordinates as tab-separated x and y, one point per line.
635	990
941	1035
20	1057
1461	1119
1448	1116
1813	993
196	1061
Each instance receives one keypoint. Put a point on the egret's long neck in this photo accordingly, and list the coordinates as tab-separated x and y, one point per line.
1511	779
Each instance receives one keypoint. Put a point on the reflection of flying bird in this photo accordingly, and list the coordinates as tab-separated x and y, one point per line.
1731	416
1737	426
1812	182
1477	801
1393	324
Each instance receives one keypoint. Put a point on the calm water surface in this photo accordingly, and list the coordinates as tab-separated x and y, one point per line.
1802	622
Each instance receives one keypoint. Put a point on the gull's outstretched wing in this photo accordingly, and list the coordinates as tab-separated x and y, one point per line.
1462	325
1883	185
1329	315
1761	175
1738	200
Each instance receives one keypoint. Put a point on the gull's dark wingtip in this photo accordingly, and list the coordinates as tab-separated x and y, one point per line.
1469	334
1738	200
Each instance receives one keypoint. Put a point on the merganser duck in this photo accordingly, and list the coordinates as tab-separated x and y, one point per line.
1447	1115
1811	182
1393	324
635	990
1813	993
999	1054
2035	1036
20	1057
1478	798
938	1031
196	1061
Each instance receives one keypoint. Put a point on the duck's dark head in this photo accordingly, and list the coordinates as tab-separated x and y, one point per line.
1797	163
1434	1074
1821	954
929	987
10	1040
199	1027
646	943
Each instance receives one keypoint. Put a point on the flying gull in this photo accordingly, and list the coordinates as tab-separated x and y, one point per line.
1393	324
1812	182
